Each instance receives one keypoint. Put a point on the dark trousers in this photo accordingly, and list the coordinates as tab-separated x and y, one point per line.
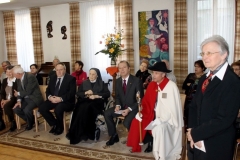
109	115
26	110
59	109
8	110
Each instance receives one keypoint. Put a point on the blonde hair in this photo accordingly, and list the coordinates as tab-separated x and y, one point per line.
145	61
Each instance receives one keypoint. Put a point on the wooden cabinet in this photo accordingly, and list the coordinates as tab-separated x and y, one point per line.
47	67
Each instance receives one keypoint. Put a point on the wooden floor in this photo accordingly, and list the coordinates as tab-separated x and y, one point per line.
15	153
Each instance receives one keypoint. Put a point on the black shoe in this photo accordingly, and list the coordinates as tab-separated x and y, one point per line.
2	125
112	140
149	148
97	134
53	129
58	131
68	136
13	126
29	127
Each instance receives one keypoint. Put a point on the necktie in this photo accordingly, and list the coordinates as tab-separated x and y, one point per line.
57	87
206	82
124	86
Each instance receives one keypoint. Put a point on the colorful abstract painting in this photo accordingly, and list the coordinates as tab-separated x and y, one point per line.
153	36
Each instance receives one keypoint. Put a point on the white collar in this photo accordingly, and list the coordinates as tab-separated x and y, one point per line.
126	78
93	81
10	82
221	72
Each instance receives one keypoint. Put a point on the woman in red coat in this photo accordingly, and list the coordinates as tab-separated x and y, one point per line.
79	74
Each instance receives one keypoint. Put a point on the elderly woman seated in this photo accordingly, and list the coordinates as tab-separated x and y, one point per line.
91	95
8	100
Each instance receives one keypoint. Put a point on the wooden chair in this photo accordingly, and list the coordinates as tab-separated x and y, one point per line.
44	80
236	149
35	110
118	118
1	70
64	122
5	118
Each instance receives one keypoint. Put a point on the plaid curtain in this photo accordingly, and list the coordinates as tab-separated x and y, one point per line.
180	42
9	27
75	33
237	32
37	36
123	20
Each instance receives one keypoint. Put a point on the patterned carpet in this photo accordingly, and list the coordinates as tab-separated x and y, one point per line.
46	142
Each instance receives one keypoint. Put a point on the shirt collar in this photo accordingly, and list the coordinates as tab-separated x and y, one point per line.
126	78
220	73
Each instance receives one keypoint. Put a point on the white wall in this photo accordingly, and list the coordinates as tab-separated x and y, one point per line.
56	46
150	5
3	52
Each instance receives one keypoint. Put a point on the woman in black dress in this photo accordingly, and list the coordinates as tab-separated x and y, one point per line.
191	82
91	95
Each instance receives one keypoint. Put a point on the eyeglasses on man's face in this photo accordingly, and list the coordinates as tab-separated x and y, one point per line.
208	53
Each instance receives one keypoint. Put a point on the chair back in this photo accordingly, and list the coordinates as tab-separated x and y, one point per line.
43	91
1	70
183	99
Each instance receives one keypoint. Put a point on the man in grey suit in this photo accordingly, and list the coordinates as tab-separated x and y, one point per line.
127	87
28	95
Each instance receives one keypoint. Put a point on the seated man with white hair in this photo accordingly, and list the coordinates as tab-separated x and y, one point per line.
28	95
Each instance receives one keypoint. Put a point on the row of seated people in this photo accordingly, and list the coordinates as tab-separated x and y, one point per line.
60	95
20	93
8	99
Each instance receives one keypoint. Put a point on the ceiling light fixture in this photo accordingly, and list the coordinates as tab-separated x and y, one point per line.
4	1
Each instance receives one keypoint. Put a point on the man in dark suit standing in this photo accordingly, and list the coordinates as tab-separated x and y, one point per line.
28	95
127	87
215	105
60	95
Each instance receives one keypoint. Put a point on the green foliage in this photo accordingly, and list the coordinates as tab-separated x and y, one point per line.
113	46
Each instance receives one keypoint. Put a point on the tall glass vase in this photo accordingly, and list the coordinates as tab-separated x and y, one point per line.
113	62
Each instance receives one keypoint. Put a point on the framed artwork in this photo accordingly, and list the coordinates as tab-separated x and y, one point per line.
153	36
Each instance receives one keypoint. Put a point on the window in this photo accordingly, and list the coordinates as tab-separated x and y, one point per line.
207	18
24	39
96	19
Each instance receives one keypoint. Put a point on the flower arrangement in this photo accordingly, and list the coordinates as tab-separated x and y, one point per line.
113	46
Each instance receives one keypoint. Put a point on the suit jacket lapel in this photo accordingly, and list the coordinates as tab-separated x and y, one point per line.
25	81
213	84
54	81
121	87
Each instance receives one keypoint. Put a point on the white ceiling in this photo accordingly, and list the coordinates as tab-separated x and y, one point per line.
23	4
